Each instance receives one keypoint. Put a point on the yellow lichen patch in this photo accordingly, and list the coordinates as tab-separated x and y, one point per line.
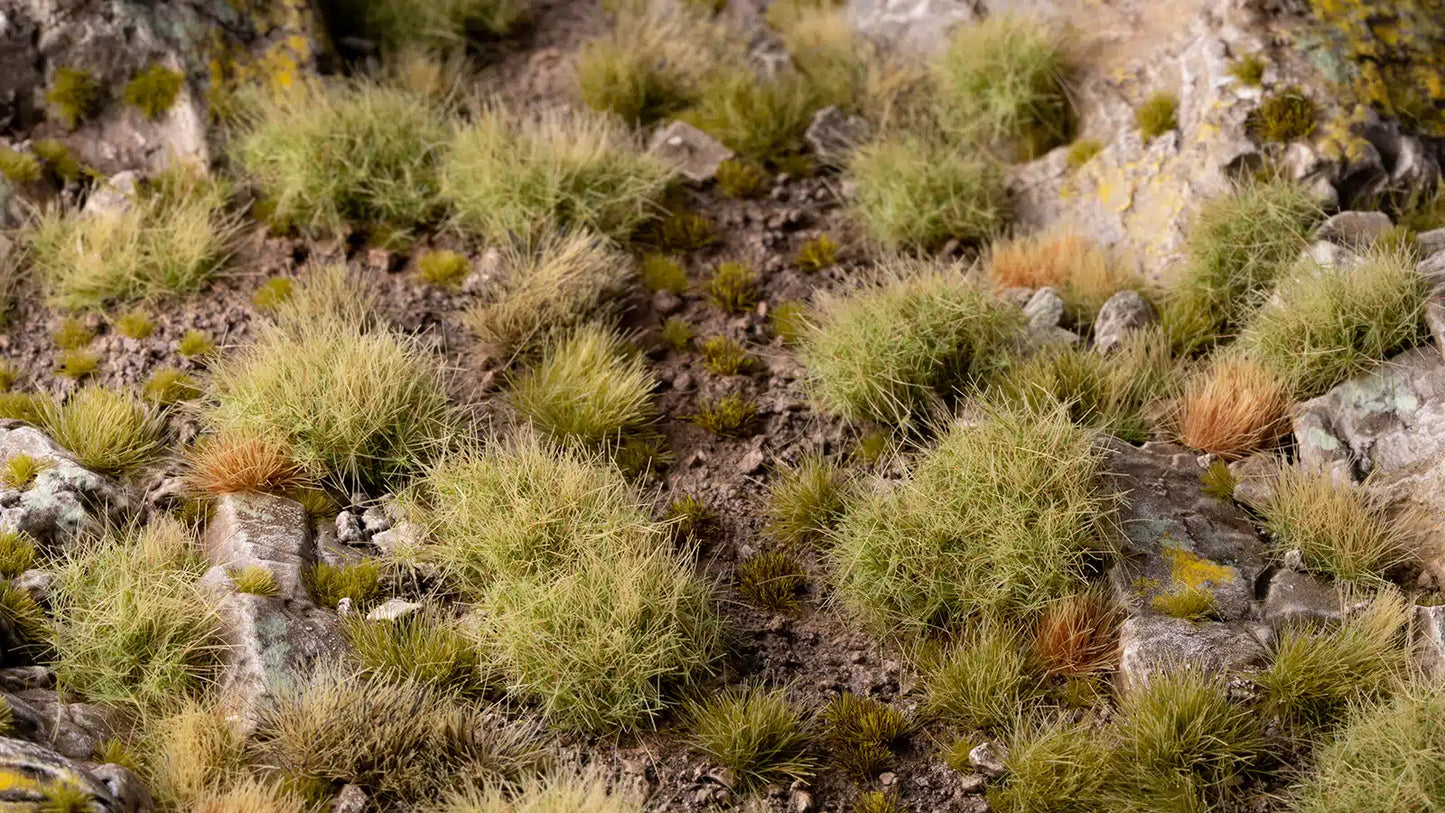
1392	54
1192	570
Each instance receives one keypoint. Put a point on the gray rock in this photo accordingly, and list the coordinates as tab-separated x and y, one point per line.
1174	535
1045	309
113	198
1354	229
1430	242
125	786
696	154
1151	644
1254	479
350	799
1331	255
918	25
1294	559
262	529
392	609
1125	312
348	529
834	134
374	519
73	730
31	768
64	499
988	758
1428	637
1294	597
1435	319
37	583
1040	337
1432	268
402	535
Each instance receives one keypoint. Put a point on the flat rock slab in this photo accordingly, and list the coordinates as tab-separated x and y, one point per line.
263	530
1176	537
1154	644
64	498
1295	598
696	154
27	770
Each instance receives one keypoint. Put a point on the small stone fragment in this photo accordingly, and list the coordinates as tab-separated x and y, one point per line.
350	799
348	528
374	519
1124	313
988	758
833	134
696	154
1354	229
1045	309
1428	634
393	609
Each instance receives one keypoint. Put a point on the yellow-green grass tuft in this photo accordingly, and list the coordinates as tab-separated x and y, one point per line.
360	582
733	287
1191	602
107	431
507	176
9	374
1237	248
730	416
816	254
587	390
194	344
1218	481
1157	115
21	469
723	355
255	580
560	283
1283	116
19	167
860	732
444	269
23	406
759	118
690	518
898	348
272	293
24	627
135	324
168	386
804	501
679	231
789	321
662	273
771	579
330	156
676	334
917	193
171	240
740	178
423	647
1341	529
554	792
72	334
756	733
77	364
582	608
878	801
1328	325
58	159
1054	765
153	91
17	553
984	680
133	627
1005	514
1082	152
74	95
1002	79
434	25
1249	69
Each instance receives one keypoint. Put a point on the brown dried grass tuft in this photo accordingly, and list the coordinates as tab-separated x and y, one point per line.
1077	635
236	462
1085	273
1233	407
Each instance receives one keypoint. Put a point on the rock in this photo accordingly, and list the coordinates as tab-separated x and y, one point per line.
988	758
920	25
114	197
1428	637
696	154
374	520
350	799
1125	312
972	784
125	786
1175	536
1330	255
37	583
1018	297
1294	559
666	303
834	134
64	499
348	528
73	730
27	769
1432	268
262	529
1150	644
1041	337
1294	597
401	536
1354	229
800	801
1045	309
1430	242
392	609
1435	319
751	462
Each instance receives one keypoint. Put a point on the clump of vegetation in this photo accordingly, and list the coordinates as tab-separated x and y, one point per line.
153	91
434	25
77	364
730	416
241	463
421	647
617	74
72	334
740	178
1082	152
755	732
918	193
691	518
789	321
723	355
17	553
19	167
24	628
74	95
21	469
1316	675
329	156
58	158
403	742
661	273
134	627
897	349
1157	115
1218	481
168	386
676	334
1339	527
733	287
580	610
195	343
1232	407
1051	765
172	238
819	253
586	390
556	792
255	580
984	680
1237	248
1002	79
108	432
360	582
759	118
771	579
505	176
1191	602
1249	69
1283	116
444	269
135	324
1077	634
23	406
860	733
561	283
805	501
1326	325
272	293
980	526
680	231
1387	757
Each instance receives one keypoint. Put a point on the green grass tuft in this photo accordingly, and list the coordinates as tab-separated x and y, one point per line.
556	792
24	628
878	801
422	647
444	269
435	25
756	733
153	91
1053	766
168	386
360	582
680	231
1006	514
919	193
1082	152
194	344
730	416
272	293
135	324
758	118
771	579
21	469
860	732
74	95
17	553
740	178
691	519
1340	528
897	349
984	680
1191	602
676	334
507	176
723	355
77	364
72	334
58	159
19	167
23	406
255	580
789	321
660	273
1283	116
1249	70
733	287
816	254
805	501
1218	481
108	432
1157	115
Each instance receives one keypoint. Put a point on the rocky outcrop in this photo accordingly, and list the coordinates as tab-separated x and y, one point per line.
64	498
696	154
28	771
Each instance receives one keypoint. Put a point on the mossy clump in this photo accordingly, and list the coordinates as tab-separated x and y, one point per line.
153	91
1283	116
900	347
730	416
739	178
1218	481
690	518
676	334
272	293
733	287
756	733
917	193
1082	152
168	386
58	159
194	344
679	231
1157	115
663	273
134	324
360	582
723	355
74	95
442	268
860	733
1249	69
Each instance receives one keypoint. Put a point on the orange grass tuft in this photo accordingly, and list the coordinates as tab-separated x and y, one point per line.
1234	407
236	463
1084	272
1077	635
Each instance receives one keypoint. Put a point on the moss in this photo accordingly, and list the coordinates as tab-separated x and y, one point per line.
661	273
1283	116
1082	152
1249	70
676	334
19	167
444	269
771	579
58	159
730	416
740	178
272	293
819	253
72	334
153	91
194	343
1157	115
74	95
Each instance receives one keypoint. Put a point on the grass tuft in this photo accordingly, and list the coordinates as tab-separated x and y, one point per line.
733	287
897	349
1052	766
360	582
916	193
242	463
435	25
255	580
1083	272
756	733
108	432
680	231
805	501
723	355
555	792
1190	602
771	579
731	416
24	628
422	647
17	553
661	273
272	293
1077	635
676	334
194	344
1283	116
135	324
153	91
1232	407
691	519
1082	152
58	159
982	681
168	386
1340	528
21	469
759	118
816	254
1218	481
19	167
443	269
72	334
1157	115
860	733
77	364
74	95
789	321
740	178
23	406
1249	70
